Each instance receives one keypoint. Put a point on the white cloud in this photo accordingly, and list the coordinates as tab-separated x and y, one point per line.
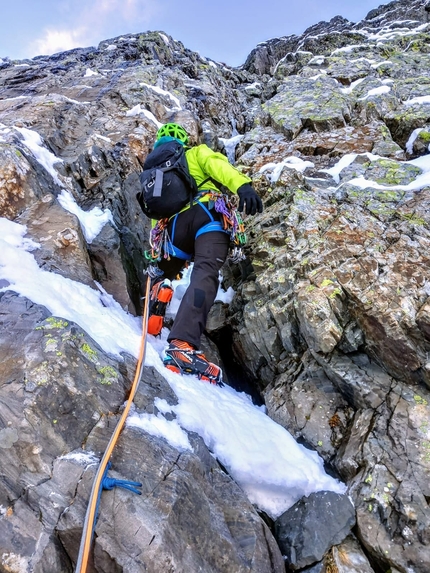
99	20
59	40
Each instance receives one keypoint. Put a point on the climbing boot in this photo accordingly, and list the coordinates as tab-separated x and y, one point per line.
161	295
182	358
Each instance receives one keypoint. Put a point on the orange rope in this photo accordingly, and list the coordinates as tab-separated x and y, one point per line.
87	531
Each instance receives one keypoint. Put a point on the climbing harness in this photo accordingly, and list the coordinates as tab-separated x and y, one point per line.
162	244
101	480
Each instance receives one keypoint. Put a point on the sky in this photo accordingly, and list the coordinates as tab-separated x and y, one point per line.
261	456
223	30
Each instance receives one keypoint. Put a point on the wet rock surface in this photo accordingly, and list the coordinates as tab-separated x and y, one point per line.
330	321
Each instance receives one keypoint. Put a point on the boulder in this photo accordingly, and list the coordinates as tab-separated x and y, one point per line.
307	530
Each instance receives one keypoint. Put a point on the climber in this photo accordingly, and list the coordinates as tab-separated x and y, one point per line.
196	233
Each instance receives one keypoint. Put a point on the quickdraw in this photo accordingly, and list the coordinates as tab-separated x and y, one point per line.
160	241
233	222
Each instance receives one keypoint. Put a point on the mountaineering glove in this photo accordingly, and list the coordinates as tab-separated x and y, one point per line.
248	197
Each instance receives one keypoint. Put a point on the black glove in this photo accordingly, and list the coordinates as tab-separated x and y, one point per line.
248	196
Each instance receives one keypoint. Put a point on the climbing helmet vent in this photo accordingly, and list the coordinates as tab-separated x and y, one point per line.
173	130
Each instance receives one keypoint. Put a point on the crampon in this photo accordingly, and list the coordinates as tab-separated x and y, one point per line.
182	358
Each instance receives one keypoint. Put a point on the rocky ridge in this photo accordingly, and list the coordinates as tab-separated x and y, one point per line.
334	311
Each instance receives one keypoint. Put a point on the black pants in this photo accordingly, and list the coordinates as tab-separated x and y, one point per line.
209	251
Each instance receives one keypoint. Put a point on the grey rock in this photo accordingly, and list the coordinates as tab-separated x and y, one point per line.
349	557
308	529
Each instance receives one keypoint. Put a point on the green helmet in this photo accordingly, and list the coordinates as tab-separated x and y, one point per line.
173	130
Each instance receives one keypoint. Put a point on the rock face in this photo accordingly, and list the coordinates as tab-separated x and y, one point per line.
331	318
300	541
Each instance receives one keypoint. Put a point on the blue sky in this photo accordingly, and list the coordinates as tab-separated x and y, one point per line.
224	30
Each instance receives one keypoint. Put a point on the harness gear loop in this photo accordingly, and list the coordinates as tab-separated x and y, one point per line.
162	245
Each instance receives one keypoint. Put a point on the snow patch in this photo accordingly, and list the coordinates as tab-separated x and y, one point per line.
90	73
139	110
82	458
354	84
34	143
292	162
376	91
92	222
421	100
164	93
411	140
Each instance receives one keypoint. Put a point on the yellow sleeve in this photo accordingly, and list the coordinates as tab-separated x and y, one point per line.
204	163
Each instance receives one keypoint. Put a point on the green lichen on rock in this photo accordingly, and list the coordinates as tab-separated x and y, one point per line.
413	219
419	400
391	173
38	376
89	352
53	322
109	375
51	344
304	102
424	135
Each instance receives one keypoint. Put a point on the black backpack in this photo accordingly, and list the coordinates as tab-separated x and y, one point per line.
167	185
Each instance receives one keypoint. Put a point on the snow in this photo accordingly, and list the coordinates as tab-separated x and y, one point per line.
344	162
95	311
138	109
75	100
103	138
290	162
111	47
375	66
83	458
253	86
348	49
90	73
418	100
230	146
34	143
14	98
320	75
158	425
354	84
376	91
387	32
316	61
92	222
260	455
4	130
164	93
423	179
411	140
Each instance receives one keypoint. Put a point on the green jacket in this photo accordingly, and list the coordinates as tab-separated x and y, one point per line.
204	163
